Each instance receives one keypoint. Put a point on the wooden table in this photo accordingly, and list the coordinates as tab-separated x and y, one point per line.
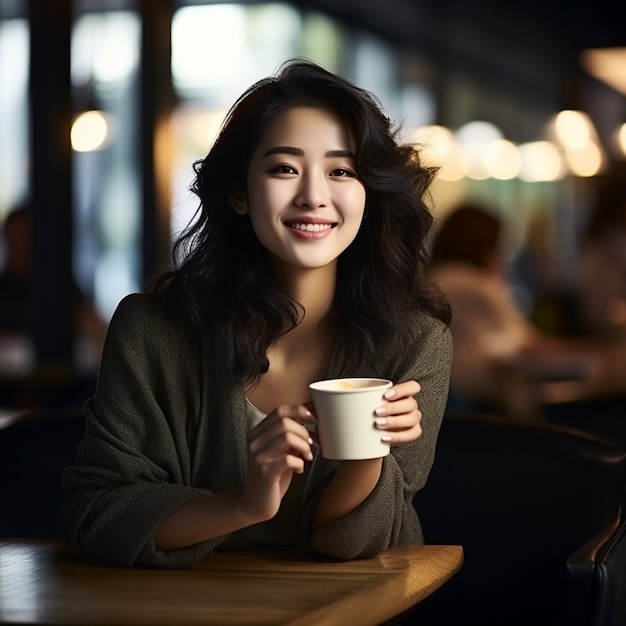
42	582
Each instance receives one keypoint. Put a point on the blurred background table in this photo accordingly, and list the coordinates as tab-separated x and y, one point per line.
42	582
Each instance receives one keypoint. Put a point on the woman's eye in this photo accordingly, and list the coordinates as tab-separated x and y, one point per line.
343	172
284	169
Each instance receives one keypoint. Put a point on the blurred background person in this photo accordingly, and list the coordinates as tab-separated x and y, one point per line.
16	314
14	278
501	359
16	345
603	261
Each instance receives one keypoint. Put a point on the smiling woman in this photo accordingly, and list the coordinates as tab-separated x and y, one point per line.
306	261
302	187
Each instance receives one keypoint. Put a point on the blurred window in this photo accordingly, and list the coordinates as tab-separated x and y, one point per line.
14	105
218	50
107	176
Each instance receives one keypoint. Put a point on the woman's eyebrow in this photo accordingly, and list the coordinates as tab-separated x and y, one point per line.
299	152
284	150
341	153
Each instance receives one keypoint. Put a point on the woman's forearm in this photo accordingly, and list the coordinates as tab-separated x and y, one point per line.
219	514
350	487
202	519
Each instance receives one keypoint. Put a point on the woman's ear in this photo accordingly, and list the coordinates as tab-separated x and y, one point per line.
238	203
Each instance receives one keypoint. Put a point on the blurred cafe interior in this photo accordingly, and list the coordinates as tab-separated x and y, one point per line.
106	104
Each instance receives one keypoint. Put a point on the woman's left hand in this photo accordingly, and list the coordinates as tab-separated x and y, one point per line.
400	416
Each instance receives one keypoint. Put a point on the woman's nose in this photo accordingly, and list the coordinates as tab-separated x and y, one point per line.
313	192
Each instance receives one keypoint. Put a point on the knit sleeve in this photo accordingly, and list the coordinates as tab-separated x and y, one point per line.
387	517
133	468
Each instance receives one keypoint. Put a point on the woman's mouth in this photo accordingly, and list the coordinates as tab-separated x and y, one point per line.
311	228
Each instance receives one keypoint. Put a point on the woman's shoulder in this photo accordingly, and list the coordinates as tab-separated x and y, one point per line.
428	333
423	322
134	301
421	347
138	306
139	314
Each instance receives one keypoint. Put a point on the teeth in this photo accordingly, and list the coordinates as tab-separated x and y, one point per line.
312	228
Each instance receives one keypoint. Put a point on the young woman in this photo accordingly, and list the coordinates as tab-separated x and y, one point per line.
306	261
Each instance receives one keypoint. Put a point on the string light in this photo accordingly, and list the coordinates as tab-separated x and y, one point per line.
91	131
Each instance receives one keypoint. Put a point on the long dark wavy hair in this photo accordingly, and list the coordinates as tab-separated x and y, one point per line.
223	280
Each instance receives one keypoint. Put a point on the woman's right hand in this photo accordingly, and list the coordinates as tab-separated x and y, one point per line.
278	447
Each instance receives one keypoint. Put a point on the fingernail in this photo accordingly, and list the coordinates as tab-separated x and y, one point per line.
381	421
386	438
381	410
310	441
390	393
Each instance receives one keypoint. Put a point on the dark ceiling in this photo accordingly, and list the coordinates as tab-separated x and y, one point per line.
575	24
559	28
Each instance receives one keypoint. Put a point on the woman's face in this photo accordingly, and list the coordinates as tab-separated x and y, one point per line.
304	198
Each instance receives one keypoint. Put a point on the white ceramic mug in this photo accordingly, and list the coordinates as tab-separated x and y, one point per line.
345	417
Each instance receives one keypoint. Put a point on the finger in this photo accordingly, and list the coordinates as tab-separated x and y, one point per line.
300	413
401	421
399	407
276	443
277	467
260	435
265	451
285	418
402	436
311	409
400	390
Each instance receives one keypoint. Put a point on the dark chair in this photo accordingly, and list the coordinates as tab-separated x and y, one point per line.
539	511
34	450
604	417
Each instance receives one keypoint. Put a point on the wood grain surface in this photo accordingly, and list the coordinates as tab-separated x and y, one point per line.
42	582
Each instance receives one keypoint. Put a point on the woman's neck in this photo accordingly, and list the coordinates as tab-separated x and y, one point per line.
301	355
313	289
